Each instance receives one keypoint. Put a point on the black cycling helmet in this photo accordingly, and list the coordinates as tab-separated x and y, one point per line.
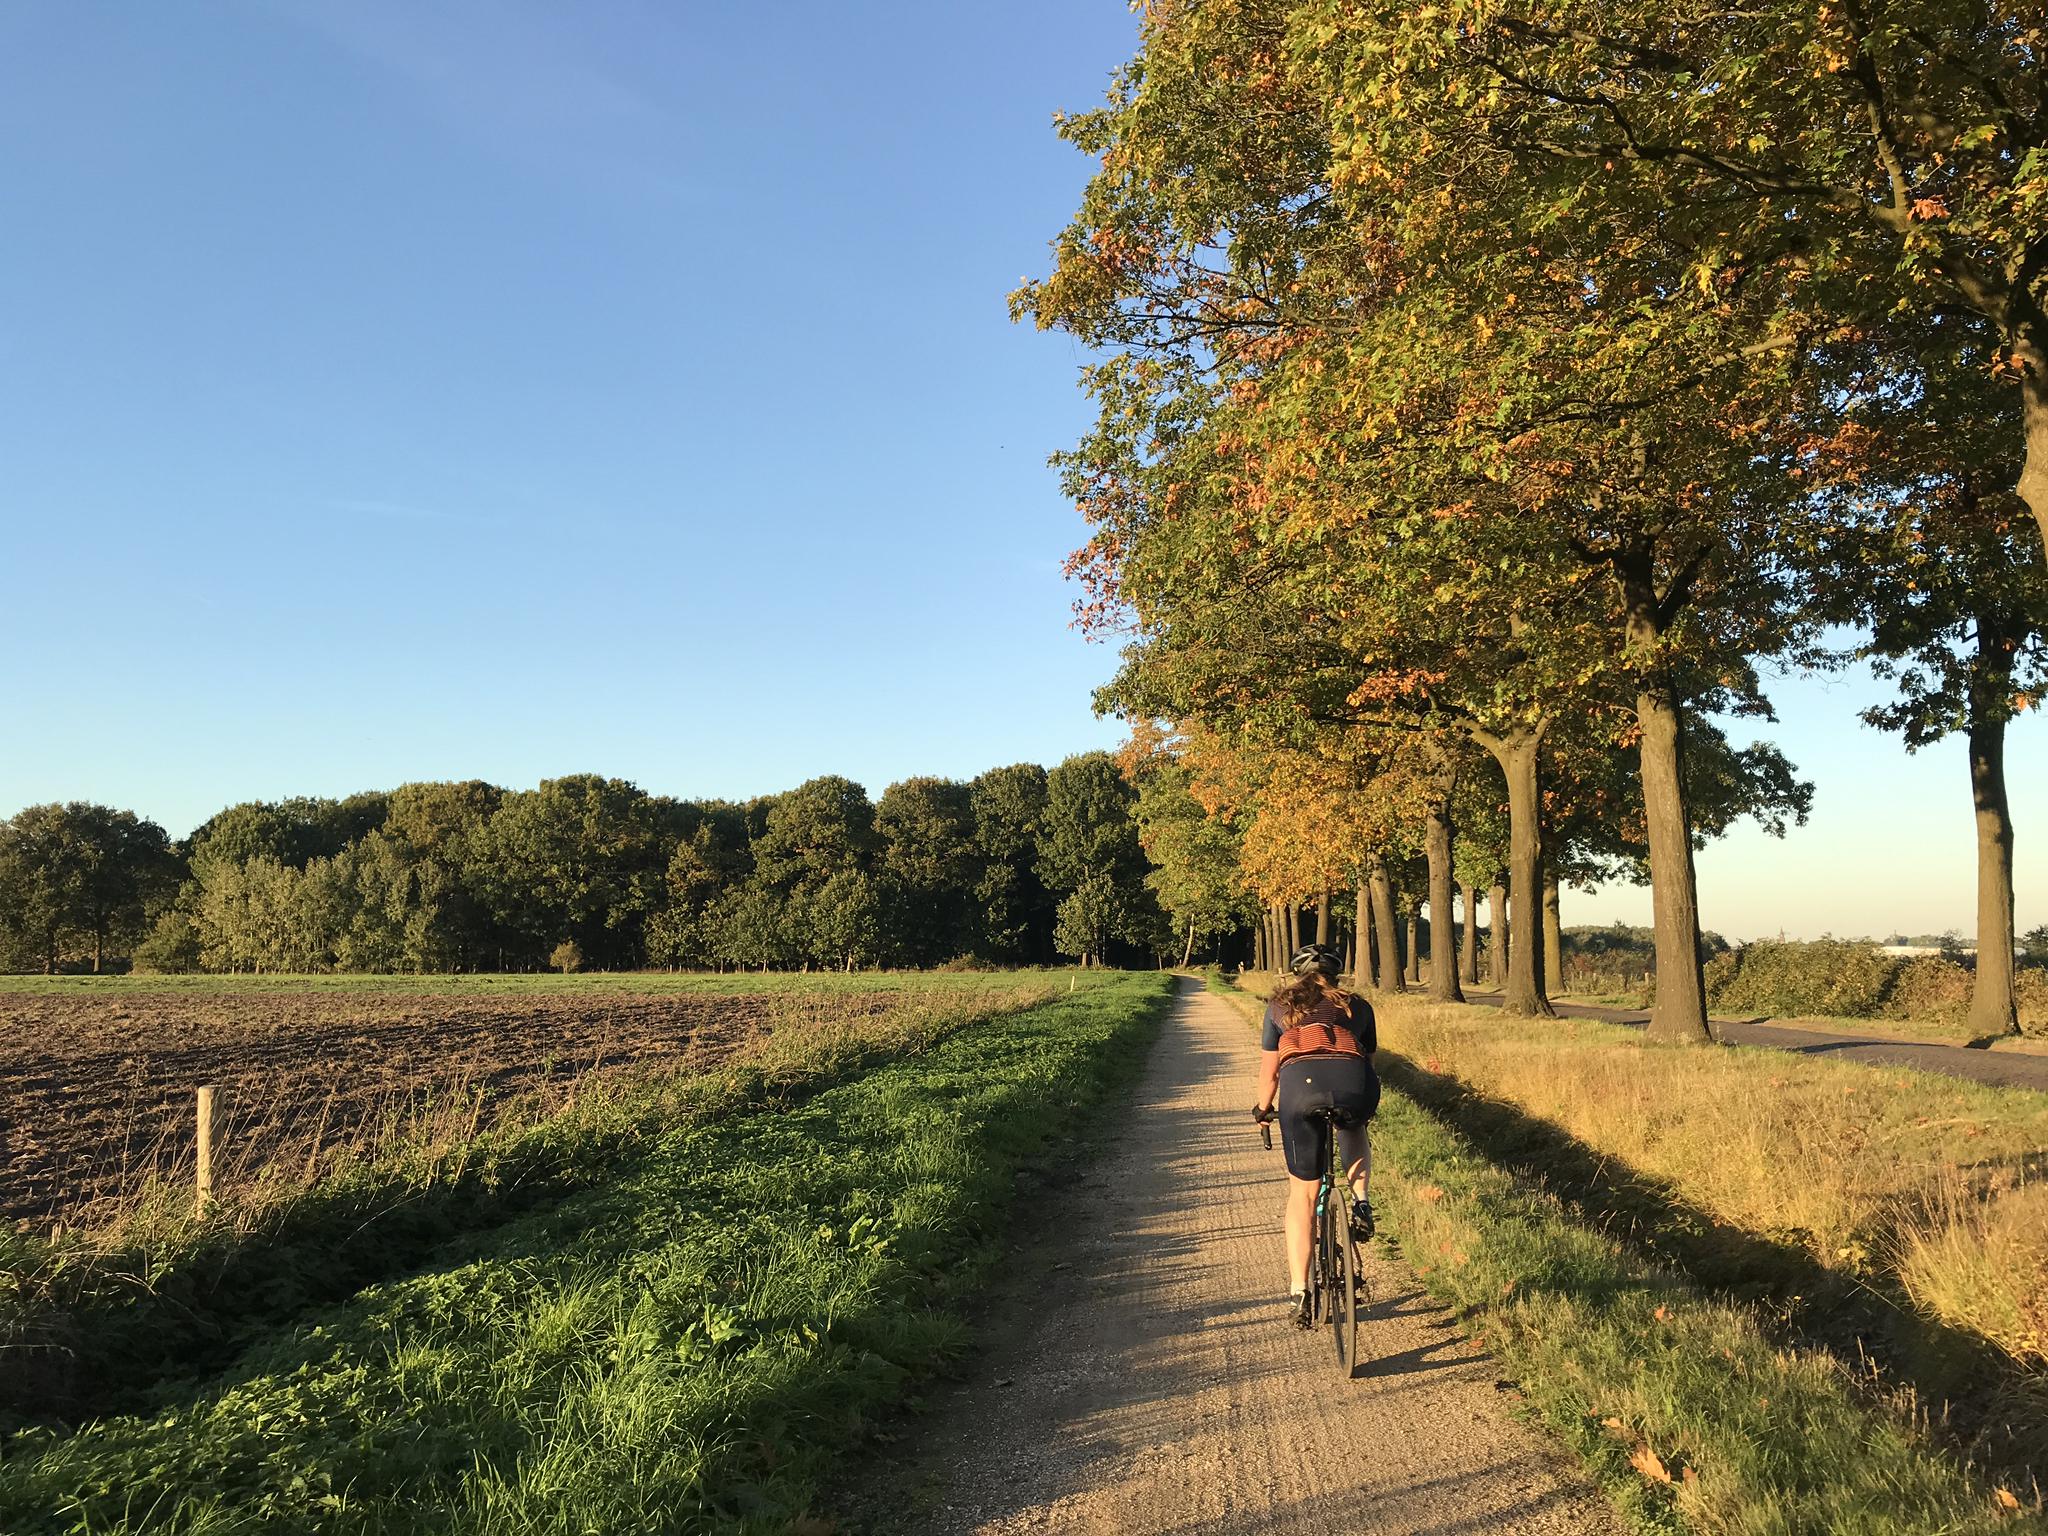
1316	957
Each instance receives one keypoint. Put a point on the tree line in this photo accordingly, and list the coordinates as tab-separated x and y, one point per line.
1018	866
1491	397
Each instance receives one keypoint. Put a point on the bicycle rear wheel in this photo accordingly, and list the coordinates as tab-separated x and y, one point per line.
1340	1280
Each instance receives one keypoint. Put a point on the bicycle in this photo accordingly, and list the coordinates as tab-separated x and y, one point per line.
1336	1278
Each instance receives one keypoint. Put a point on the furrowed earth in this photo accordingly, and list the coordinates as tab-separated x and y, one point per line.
96	1089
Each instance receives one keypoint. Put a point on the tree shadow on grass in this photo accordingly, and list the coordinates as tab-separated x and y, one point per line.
1978	1396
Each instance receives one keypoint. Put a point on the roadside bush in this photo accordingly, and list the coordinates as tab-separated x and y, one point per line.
1931	987
1825	976
2033	1001
1855	980
567	958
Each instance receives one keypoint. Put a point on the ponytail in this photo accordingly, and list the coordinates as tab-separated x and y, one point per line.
1301	997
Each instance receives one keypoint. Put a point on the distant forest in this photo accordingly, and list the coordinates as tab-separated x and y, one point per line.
1018	866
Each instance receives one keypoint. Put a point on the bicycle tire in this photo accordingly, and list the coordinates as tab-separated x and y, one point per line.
1339	1267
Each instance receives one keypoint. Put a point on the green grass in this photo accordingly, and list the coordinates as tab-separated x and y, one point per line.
685	1348
1628	1360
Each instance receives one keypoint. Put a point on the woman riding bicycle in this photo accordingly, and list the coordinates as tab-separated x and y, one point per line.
1317	1060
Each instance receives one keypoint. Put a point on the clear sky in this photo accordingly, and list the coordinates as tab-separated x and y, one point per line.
394	391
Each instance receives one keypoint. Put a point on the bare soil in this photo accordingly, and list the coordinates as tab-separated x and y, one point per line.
96	1092
1144	1378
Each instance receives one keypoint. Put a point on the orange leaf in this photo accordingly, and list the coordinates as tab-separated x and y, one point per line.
1645	1461
2007	1499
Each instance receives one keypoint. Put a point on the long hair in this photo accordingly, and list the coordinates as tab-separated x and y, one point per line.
1296	999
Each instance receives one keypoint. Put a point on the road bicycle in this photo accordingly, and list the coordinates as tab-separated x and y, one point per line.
1336	1277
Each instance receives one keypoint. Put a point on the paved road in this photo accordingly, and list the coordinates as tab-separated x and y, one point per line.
1999	1068
1146	1382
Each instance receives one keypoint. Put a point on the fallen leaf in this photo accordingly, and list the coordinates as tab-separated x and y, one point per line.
1429	1194
1645	1461
1662	1314
2007	1499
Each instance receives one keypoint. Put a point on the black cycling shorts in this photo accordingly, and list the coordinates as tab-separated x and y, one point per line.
1346	1085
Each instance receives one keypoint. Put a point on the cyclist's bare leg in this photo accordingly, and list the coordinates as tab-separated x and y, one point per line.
1357	1154
1301	1215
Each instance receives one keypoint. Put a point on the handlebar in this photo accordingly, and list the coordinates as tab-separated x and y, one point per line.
1265	1124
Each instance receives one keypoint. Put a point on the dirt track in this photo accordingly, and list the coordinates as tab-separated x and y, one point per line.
1149	1384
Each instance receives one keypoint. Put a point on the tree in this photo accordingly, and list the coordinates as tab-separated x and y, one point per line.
80	874
1195	853
1088	851
1089	916
815	831
841	921
1008	806
1965	639
1466	482
1857	166
578	858
929	857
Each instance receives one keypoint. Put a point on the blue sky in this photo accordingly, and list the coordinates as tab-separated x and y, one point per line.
392	391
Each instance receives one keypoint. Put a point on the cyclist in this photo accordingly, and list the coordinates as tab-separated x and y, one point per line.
1317	1055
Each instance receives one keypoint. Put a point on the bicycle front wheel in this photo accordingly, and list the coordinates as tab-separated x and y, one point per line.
1340	1272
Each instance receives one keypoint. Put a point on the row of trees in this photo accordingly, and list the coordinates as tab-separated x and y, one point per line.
1489	392
1017	866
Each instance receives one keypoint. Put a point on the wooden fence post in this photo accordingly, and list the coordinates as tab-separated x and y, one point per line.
205	1170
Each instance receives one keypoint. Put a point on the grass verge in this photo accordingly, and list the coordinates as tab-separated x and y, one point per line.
1681	1400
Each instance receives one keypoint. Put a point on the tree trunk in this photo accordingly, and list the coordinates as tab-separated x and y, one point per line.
1188	958
1678	1013
1517	755
1993	1006
1468	941
1323	918
1415	945
2032	357
1553	931
1362	975
1293	934
1497	934
1443	959
1385	934
1259	930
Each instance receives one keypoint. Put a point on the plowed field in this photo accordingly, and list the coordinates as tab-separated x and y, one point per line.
96	1092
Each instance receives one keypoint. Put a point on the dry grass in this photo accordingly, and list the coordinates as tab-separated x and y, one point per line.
1932	1183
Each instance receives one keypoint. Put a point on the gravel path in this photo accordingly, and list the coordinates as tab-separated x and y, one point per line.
1999	1068
1146	1381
